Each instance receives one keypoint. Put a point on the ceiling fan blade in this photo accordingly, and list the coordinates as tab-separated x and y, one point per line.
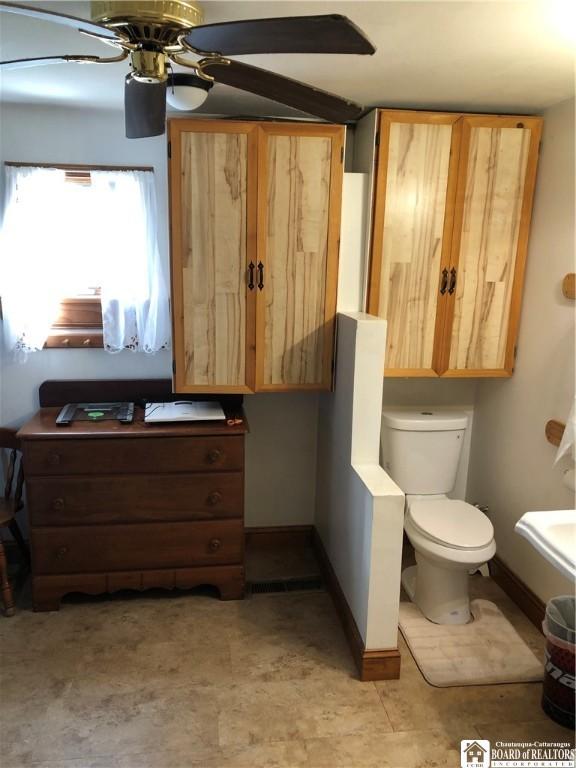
282	89
44	60
82	25
144	108
295	34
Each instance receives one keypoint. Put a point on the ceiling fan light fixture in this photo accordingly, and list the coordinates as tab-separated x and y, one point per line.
187	92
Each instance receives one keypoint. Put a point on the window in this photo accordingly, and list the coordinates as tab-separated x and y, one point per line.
79	320
80	262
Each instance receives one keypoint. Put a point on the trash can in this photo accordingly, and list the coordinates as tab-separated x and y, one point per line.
559	630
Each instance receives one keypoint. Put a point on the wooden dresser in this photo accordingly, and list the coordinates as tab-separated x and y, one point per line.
115	506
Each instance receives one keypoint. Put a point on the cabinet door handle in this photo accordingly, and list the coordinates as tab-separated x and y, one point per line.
214	455
61	552
214	498
444	283
260	275
251	269
58	504
54	459
452	281
214	545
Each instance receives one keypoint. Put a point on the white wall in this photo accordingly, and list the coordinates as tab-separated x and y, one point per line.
281	448
351	266
359	510
511	469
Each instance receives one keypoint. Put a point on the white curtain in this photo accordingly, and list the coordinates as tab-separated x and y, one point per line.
30	257
57	235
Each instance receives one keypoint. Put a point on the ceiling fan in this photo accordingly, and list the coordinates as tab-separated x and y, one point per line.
156	33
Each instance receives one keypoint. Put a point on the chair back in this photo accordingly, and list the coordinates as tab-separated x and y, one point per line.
14	469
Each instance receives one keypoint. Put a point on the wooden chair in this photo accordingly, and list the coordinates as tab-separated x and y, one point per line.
9	506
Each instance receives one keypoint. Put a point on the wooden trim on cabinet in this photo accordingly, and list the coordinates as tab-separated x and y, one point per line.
410	373
445	309
176	127
535	125
379	208
251	256
476	373
333	254
378	664
261	234
176	284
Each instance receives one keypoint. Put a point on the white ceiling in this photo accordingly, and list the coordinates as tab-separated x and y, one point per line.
483	55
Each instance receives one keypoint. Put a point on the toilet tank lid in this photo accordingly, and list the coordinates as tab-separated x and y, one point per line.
424	420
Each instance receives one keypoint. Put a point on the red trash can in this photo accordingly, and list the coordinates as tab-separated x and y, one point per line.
559	689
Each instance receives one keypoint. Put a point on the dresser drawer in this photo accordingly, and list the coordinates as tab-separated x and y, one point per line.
90	500
84	549
155	455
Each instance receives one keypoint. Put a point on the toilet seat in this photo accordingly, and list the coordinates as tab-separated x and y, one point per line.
451	523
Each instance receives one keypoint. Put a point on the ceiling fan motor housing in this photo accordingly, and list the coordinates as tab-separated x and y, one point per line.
148	21
152	25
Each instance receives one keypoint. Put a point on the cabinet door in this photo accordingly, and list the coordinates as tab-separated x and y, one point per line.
493	205
412	227
299	199
213	215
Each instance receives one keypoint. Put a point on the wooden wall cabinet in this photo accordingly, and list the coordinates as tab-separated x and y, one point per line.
255	218
452	205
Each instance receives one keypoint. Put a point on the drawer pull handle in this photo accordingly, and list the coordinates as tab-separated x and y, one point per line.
54	459
61	552
214	545
214	455
58	504
214	498
444	284
452	281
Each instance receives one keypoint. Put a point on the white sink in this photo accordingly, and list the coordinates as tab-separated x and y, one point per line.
553	534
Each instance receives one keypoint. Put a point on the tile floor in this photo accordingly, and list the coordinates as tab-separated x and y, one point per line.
186	681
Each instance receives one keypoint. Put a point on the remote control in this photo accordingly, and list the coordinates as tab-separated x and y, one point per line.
66	415
126	414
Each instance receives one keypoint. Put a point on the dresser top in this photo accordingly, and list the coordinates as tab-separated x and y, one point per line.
42	426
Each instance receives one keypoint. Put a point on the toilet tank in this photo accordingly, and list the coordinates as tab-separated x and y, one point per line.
421	449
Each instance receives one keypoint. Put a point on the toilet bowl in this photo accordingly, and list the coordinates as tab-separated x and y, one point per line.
450	539
421	450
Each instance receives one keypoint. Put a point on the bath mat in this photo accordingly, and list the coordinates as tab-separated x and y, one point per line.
487	650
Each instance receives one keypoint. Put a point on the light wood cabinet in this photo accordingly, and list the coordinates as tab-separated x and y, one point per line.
255	215
452	205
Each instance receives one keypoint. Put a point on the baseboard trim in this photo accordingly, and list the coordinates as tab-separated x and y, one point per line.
279	536
373	664
517	591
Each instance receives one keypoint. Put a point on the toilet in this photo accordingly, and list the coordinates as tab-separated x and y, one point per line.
420	451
